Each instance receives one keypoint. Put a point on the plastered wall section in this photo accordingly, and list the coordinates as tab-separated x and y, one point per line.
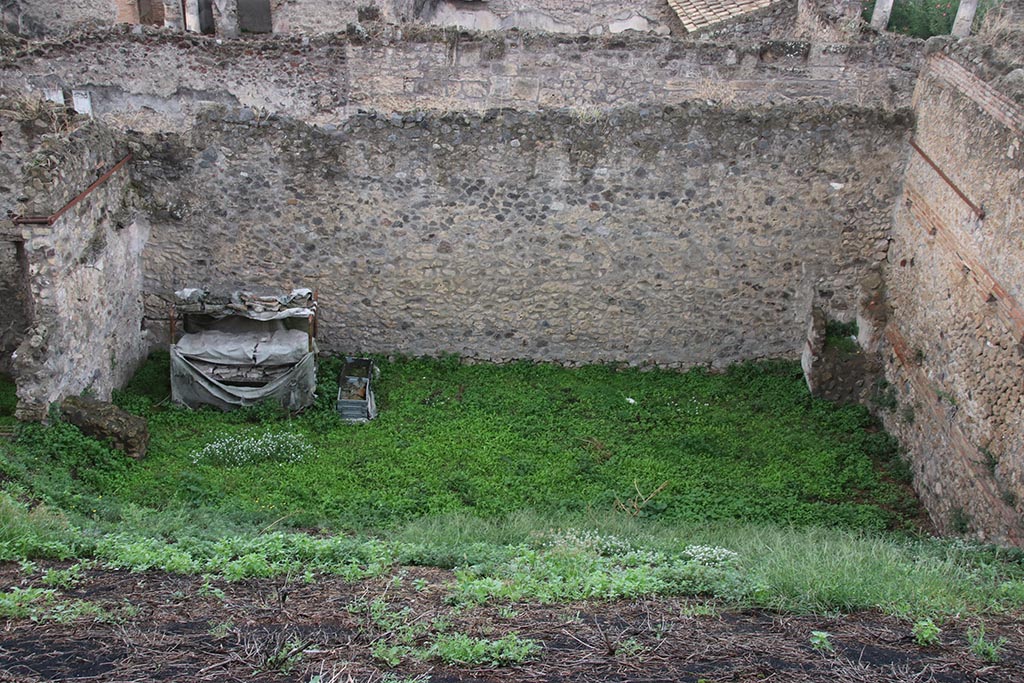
84	276
160	81
670	236
559	16
955	284
397	71
596	17
63	16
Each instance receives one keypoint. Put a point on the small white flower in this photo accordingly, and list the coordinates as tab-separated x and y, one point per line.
630	401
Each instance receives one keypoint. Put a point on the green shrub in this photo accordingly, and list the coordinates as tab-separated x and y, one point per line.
927	18
822	641
463	650
926	632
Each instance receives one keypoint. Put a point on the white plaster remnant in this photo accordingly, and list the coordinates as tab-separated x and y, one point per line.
54	95
81	101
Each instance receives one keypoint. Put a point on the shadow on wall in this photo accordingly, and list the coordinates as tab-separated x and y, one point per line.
254	16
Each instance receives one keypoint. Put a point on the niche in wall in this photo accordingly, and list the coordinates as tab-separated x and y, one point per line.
254	16
151	12
206	17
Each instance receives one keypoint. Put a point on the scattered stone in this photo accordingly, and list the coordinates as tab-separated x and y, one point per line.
106	422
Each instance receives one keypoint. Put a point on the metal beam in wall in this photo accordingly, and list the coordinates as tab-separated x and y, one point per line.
53	217
994	293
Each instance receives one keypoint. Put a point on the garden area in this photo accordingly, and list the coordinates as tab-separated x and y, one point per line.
495	522
927	18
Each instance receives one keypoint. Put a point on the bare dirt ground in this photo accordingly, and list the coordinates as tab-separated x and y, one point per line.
164	627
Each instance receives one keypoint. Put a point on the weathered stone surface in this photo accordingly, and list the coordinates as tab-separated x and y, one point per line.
106	422
954	285
76	301
325	80
665	235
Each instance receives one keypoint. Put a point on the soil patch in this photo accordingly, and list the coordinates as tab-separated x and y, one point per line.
163	627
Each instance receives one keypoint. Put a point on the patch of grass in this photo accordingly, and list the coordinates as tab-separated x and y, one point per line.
462	650
747	444
64	578
29	531
983	648
510	474
43	604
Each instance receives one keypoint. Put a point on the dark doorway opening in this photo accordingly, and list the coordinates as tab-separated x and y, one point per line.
206	17
254	16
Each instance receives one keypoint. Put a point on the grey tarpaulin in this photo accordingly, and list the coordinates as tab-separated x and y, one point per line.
295	389
239	355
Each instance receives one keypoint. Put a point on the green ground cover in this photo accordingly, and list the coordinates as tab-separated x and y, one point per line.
529	480
749	444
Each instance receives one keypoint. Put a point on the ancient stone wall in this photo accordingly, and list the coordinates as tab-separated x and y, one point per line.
325	16
669	235
47	16
14	320
558	16
775	22
159	80
398	71
156	80
955	275
84	275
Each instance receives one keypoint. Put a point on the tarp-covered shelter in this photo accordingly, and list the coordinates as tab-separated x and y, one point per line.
243	349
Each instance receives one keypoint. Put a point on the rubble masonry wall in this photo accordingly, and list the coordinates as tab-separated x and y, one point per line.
84	274
166	78
953	343
669	235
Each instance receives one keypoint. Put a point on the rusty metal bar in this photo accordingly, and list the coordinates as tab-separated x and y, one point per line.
978	211
173	319
54	217
316	312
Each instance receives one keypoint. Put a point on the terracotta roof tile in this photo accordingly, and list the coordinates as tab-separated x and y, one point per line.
699	14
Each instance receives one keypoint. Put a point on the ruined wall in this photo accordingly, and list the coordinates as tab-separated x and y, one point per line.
955	274
14	321
669	235
21	126
47	16
158	81
313	16
404	71
84	275
775	22
558	16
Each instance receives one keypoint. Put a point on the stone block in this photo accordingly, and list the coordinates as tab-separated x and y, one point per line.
106	422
